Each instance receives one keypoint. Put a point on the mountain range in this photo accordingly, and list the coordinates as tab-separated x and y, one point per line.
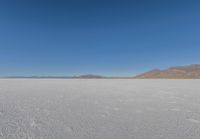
179	72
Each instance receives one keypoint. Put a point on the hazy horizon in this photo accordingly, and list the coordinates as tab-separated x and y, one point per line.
109	38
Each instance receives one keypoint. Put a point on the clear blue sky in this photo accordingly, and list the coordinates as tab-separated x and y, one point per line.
108	37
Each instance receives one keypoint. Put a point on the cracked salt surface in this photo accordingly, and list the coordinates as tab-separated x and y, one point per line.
99	109
194	121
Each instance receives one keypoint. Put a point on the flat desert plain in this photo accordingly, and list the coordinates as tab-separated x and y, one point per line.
99	109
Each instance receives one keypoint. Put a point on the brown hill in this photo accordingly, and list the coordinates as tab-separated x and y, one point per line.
181	72
90	76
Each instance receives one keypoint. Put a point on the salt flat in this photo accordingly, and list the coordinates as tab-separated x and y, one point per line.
99	109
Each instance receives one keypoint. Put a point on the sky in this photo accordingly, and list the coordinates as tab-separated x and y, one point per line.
106	37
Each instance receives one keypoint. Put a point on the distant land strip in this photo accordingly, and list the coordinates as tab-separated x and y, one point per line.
178	72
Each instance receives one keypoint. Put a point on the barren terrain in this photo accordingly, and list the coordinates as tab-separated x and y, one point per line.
99	109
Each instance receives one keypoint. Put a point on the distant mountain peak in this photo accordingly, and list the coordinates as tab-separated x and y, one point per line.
89	76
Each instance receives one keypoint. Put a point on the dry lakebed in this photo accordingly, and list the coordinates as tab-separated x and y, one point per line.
99	109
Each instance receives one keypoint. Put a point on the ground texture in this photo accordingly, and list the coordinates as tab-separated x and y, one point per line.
99	109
